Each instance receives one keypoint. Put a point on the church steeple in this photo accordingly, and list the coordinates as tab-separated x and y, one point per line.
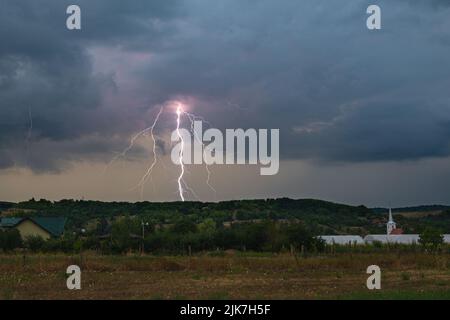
391	224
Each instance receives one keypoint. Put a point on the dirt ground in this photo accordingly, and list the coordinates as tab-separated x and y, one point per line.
236	276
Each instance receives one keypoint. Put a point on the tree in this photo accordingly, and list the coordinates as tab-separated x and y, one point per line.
184	226
208	226
431	238
299	236
252	236
126	233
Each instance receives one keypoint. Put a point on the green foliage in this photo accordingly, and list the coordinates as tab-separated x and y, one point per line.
34	243
6	205
431	239
208	226
125	233
329	215
10	239
184	226
266	236
271	225
299	236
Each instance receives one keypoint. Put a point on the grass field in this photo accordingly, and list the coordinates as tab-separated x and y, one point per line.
231	276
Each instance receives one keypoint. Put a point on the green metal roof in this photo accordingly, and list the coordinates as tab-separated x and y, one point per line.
54	225
9	222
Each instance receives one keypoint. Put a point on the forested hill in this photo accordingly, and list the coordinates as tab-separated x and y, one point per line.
322	216
315	212
6	205
427	208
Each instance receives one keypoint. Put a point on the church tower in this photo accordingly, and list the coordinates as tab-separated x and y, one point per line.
391	224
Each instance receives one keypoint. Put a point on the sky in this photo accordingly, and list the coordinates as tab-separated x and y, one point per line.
364	115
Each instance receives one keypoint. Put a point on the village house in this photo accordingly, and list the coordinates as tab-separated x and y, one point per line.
45	227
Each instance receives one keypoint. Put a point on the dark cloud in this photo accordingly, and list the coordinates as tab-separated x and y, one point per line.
337	91
296	65
47	71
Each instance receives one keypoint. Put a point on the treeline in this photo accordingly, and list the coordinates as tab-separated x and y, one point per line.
186	237
6	205
331	217
180	227
181	238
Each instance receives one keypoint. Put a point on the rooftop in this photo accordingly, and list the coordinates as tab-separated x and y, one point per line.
53	225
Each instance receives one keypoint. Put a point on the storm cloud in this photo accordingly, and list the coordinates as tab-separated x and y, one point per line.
337	91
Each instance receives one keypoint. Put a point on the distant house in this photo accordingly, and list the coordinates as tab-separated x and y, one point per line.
342	240
44	227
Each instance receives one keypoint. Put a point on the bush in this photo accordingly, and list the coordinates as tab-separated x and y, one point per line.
34	243
10	239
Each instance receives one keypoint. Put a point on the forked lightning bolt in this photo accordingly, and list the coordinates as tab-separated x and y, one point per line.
180	155
148	173
182	185
192	118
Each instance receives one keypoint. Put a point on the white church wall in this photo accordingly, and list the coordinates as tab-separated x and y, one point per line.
398	238
343	240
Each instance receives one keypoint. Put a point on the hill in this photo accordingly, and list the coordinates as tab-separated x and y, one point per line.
6	205
321	216
424	208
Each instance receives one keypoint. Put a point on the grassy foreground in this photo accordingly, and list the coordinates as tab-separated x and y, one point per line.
230	276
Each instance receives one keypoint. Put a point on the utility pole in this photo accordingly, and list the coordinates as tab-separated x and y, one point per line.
143	224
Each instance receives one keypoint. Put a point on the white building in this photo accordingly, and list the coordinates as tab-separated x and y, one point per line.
342	240
393	235
390	226
389	238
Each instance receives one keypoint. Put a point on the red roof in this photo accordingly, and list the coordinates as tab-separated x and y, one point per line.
397	231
